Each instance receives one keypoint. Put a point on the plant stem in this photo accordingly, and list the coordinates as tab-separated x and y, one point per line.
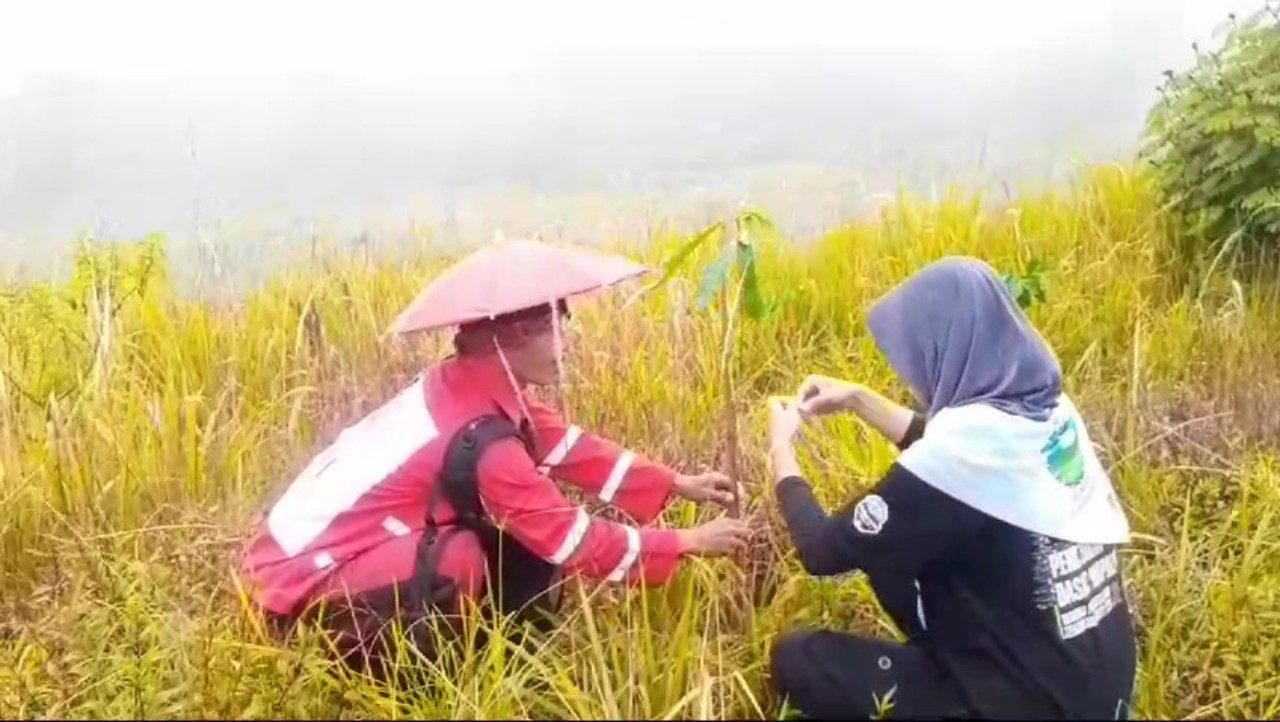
730	306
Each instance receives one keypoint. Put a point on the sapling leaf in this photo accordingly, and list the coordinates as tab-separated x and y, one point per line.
682	254
715	275
1014	285
1027	288
754	227
753	301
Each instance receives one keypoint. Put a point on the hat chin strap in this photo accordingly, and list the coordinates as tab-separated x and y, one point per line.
559	344
560	366
511	378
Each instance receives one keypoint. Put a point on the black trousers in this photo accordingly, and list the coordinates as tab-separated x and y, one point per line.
423	612
832	675
367	627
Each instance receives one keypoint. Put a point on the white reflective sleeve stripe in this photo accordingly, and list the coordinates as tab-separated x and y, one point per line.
629	557
573	538
395	526
617	475
920	607
561	450
323	560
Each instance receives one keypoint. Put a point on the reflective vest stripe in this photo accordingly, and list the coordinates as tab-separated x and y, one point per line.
395	527
561	450
616	476
363	456
629	558
571	540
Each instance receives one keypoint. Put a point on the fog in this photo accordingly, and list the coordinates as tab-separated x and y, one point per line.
564	121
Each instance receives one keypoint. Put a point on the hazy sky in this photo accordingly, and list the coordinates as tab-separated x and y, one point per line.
461	44
138	116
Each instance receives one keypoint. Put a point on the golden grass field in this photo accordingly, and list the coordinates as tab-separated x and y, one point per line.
141	429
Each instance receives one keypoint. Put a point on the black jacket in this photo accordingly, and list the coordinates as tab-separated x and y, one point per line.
1021	621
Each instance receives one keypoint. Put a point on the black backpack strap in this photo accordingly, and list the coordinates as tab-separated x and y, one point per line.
456	482
520	578
462	460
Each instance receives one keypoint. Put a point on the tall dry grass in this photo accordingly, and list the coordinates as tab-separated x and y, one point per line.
140	430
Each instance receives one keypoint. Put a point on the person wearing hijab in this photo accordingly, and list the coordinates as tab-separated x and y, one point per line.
991	542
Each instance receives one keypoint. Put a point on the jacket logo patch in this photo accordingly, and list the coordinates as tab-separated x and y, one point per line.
1062	455
870	515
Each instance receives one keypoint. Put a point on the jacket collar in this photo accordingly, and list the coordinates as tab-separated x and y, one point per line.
484	377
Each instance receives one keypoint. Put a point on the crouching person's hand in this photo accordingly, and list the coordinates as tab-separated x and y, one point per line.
721	537
711	487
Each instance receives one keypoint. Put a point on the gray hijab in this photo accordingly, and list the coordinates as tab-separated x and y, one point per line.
955	335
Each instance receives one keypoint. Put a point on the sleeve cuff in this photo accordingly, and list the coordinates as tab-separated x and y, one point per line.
915	430
660	555
792	493
782	488
668	486
660	543
646	499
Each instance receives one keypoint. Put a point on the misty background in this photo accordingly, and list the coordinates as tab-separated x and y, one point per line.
246	132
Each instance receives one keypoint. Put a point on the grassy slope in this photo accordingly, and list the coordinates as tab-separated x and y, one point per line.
138	431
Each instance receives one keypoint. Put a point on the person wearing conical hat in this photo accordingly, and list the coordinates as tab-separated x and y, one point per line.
448	492
991	542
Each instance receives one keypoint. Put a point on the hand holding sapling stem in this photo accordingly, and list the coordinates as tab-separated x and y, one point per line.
720	537
711	486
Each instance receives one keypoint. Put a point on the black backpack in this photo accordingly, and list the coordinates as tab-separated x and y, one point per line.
520	582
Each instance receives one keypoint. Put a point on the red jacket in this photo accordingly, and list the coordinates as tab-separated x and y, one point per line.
352	519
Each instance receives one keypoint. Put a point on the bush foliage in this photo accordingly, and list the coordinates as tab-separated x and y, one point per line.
1213	140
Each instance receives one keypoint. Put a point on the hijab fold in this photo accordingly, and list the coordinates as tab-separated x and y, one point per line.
956	336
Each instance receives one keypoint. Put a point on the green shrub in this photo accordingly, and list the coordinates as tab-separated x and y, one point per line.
1213	141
